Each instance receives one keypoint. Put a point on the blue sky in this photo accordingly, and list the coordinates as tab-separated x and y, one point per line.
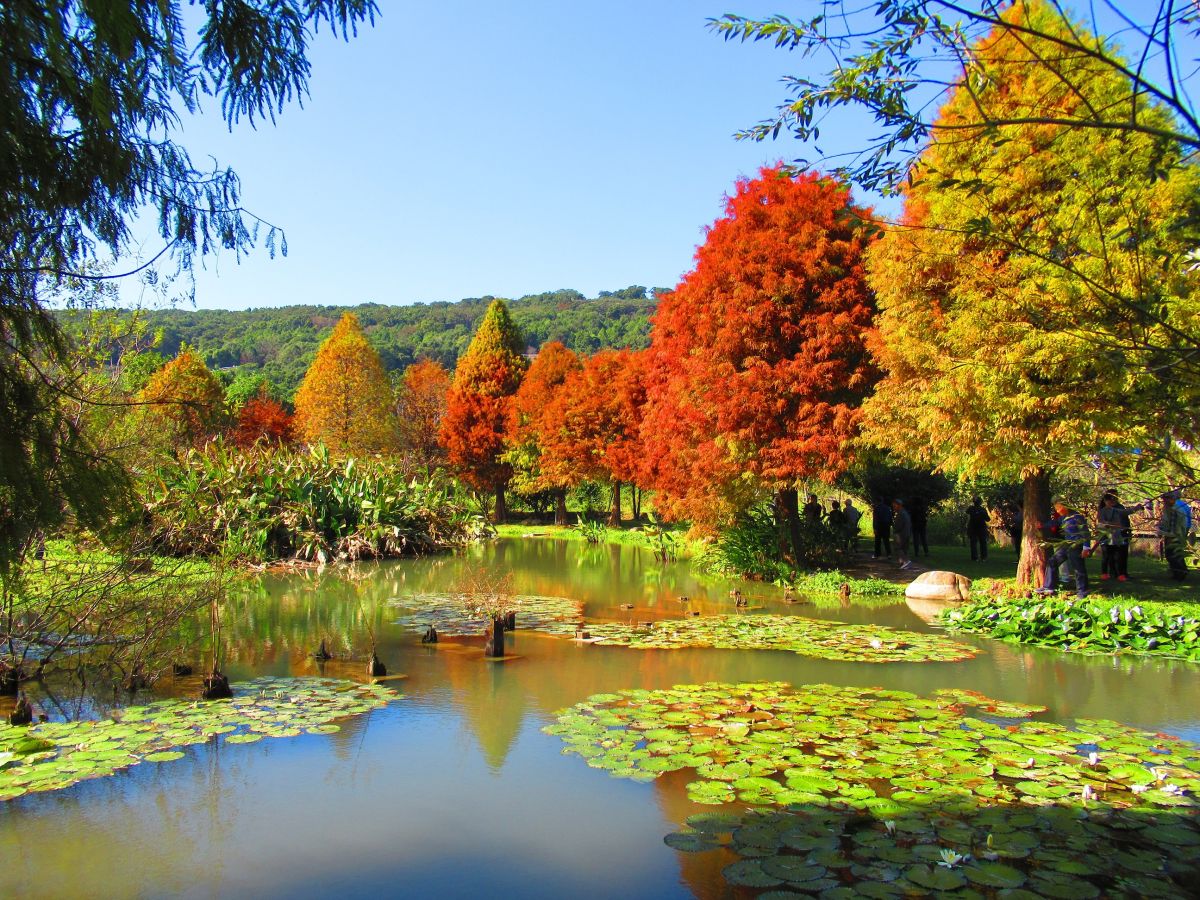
462	148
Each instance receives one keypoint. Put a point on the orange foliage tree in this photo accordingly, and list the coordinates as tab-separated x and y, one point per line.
345	400
262	418
758	361
478	408
420	406
595	421
534	419
185	396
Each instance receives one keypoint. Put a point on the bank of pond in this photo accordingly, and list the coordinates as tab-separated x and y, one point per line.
627	743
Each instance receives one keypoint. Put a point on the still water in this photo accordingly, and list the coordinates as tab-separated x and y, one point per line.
454	791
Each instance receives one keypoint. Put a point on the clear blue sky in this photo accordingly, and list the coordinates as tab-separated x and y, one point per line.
463	148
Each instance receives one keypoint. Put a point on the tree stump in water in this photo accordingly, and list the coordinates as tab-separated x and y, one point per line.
23	714
430	636
375	668
510	620
10	680
216	687
495	639
179	669
322	654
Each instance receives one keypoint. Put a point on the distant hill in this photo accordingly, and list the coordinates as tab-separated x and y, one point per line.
281	341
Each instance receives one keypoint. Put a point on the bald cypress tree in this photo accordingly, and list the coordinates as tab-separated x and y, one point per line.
345	401
478	409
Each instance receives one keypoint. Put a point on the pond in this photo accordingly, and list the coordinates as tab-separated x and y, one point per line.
454	790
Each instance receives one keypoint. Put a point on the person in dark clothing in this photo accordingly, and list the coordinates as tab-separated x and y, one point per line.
812	510
1071	530
1013	519
1115	529
918	512
836	518
977	528
881	524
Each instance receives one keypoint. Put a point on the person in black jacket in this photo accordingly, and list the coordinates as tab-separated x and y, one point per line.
881	524
977	528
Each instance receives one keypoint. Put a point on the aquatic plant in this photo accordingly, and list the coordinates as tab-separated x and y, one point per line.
821	638
593	531
1081	626
866	792
53	755
271	503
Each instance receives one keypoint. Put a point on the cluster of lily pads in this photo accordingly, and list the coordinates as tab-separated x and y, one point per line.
1082	626
819	638
53	755
446	613
877	793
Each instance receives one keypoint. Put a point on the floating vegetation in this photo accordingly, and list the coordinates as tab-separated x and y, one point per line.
53	755
446	613
819	638
877	793
1082	626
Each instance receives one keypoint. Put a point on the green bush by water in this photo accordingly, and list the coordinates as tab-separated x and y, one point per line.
269	504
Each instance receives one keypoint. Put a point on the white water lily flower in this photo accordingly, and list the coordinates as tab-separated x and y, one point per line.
950	859
1139	788
1088	793
1093	758
1172	789
890	826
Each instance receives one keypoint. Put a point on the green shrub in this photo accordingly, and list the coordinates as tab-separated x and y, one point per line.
754	547
270	503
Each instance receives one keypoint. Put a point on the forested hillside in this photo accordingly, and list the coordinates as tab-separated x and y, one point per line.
282	341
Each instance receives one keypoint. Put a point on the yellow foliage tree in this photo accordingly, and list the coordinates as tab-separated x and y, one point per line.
345	400
186	400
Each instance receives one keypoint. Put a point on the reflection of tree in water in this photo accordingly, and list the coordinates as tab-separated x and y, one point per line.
492	698
699	871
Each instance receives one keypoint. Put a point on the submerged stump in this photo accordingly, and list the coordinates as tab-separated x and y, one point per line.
495	638
375	668
216	687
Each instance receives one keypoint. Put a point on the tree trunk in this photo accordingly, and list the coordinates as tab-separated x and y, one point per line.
614	511
787	507
495	639
560	508
637	502
1031	570
501	515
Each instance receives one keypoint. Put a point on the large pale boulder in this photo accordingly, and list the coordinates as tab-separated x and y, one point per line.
939	586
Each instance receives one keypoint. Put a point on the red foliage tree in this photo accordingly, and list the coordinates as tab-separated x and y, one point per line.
478	408
534	421
758	360
264	419
597	419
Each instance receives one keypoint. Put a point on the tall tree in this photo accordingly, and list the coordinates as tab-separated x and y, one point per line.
758	362
345	400
478	408
90	102
1033	297
187	399
262	419
534	420
592	429
420	407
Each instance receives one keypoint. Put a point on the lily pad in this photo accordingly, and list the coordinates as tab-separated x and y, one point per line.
53	755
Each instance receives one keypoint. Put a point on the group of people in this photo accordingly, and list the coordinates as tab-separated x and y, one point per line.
1067	535
1069	540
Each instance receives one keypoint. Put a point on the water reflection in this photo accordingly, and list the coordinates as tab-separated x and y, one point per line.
454	791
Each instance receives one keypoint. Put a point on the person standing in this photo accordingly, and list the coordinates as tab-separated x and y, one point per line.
853	515
836	519
1071	547
1115	531
1173	526
881	524
977	529
812	510
903	531
918	511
